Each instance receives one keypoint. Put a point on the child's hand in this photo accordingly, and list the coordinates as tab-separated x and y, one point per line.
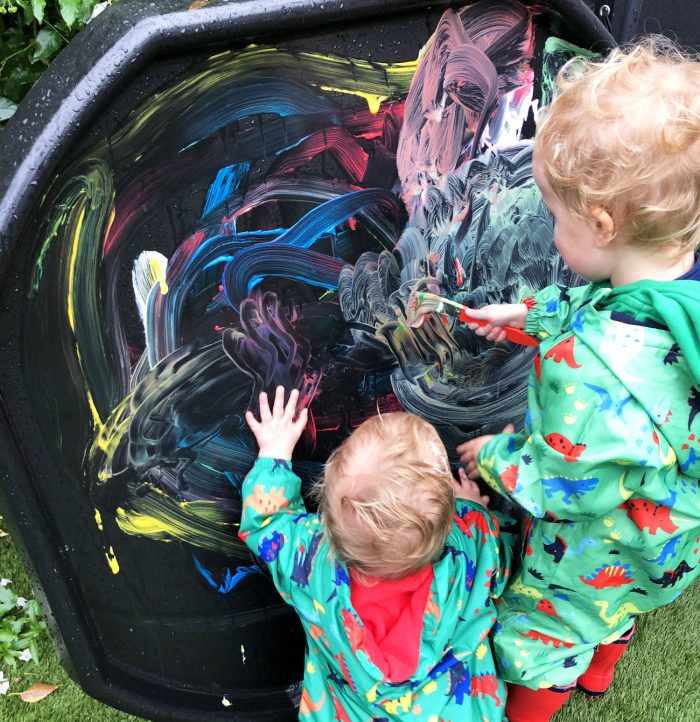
498	315
469	450
277	433
469	490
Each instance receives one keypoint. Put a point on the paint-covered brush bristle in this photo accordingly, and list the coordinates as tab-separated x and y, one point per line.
420	305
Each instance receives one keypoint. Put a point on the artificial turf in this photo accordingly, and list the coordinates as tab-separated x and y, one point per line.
658	679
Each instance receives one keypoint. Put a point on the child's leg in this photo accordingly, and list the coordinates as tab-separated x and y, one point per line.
597	678
535	705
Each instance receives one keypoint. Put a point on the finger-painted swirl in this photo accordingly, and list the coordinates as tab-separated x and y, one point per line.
261	220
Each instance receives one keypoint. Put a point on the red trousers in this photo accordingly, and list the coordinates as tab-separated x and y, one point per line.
538	705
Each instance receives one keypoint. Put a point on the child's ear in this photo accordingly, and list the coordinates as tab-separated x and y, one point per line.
603	226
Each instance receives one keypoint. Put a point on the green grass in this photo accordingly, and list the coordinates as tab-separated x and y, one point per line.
658	679
68	703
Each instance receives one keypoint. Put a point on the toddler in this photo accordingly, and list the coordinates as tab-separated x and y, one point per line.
393	580
608	464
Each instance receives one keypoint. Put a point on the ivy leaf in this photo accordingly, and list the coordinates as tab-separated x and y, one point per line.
38	7
7	110
16	626
9	660
32	610
70	10
47	44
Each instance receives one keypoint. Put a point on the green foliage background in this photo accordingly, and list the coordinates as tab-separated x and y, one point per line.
32	32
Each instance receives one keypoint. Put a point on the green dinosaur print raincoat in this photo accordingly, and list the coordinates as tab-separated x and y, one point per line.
456	675
608	470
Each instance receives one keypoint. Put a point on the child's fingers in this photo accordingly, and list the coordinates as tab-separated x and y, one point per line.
252	421
508	429
278	408
264	407
484	500
302	420
494	333
466	450
471	486
471	469
478	312
466	455
291	407
483	330
467	483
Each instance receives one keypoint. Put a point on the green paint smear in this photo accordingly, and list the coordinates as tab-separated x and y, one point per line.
556	53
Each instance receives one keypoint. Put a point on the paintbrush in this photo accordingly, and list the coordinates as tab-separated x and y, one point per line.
422	303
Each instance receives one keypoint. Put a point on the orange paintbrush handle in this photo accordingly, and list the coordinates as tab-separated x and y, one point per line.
516	335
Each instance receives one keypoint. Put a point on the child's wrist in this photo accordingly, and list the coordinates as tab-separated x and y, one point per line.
271	452
523	309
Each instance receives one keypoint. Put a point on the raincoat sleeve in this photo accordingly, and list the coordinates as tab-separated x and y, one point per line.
490	536
276	526
508	546
554	309
584	475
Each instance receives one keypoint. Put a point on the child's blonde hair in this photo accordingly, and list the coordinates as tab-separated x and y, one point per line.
622	135
387	498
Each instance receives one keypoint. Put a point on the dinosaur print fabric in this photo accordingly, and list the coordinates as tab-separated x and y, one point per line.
456	674
608	470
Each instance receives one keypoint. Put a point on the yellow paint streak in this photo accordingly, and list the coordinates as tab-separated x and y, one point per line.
110	220
109	435
112	561
159	274
71	268
70	303
144	524
373	101
98	519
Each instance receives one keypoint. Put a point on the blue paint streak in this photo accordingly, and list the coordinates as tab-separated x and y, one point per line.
228	180
257	96
229	581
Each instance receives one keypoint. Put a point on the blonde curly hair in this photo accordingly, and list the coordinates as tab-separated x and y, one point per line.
387	499
622	135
